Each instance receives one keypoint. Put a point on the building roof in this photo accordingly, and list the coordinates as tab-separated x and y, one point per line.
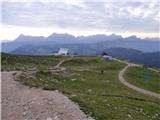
63	51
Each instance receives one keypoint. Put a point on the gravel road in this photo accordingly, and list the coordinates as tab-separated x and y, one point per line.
129	85
140	90
23	103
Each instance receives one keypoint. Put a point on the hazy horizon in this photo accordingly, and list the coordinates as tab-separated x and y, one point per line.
142	38
42	18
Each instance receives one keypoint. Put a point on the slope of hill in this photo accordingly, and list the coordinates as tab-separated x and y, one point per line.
101	96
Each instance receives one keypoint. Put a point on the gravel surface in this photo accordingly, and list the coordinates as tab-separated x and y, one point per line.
23	103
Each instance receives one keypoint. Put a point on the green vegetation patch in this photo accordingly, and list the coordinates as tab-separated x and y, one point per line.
26	62
82	61
143	78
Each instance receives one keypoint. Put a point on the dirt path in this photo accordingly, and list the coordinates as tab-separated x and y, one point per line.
140	90
58	65
62	61
23	103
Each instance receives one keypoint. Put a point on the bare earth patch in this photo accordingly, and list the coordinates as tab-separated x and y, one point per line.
23	103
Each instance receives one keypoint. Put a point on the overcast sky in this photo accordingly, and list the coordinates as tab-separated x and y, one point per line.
42	18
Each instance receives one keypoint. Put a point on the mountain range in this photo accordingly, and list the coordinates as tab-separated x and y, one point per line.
145	51
102	41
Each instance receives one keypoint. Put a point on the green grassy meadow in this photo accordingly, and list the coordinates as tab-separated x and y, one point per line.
26	62
144	78
101	96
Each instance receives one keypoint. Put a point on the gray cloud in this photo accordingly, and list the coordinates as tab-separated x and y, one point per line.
112	17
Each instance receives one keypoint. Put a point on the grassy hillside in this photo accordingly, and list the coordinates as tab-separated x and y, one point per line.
25	62
99	95
144	78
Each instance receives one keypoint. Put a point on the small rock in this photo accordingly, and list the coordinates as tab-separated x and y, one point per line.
23	104
90	90
129	115
156	114
18	104
56	91
24	113
50	118
74	79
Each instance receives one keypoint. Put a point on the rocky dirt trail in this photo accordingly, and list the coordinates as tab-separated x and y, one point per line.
20	102
23	103
131	86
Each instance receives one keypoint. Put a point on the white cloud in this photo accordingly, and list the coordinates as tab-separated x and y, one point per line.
66	15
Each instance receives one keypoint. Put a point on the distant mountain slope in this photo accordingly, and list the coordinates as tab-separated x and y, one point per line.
33	50
83	49
21	41
150	58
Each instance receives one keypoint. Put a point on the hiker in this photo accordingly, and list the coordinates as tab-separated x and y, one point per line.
102	72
